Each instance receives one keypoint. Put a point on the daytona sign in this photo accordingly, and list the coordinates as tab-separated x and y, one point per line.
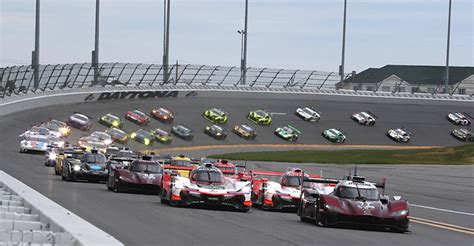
125	95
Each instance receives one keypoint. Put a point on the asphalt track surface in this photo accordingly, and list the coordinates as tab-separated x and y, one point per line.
138	219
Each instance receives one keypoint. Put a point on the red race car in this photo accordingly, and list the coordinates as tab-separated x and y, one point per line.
162	114
141	175
279	190
354	201
231	170
137	117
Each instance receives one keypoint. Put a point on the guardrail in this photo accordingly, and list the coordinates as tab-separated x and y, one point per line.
18	80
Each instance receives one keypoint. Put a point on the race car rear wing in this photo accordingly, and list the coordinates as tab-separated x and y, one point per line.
468	115
407	131
294	129
375	116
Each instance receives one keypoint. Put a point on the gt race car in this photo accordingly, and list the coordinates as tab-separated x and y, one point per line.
91	167
260	117
162	136
354	201
43	131
245	131
110	120
35	143
364	118
400	135
334	135
216	132
459	118
216	115
57	126
162	114
208	187
181	165
137	117
142	175
308	114
117	135
143	136
79	121
288	133
463	135
182	132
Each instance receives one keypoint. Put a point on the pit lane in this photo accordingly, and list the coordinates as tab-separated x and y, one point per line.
143	220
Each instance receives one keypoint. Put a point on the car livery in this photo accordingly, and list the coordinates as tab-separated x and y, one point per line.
334	135
459	118
182	132
117	135
162	136
353	202
73	154
79	121
206	186
463	135
143	136
137	117
400	135
215	131
141	176
308	114
364	118
43	131
245	131
91	167
110	120
162	114
38	143
216	115
288	133
260	116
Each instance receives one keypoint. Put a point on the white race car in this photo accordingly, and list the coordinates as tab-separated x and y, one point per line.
308	114
43	131
37	143
364	118
400	135
206	186
458	118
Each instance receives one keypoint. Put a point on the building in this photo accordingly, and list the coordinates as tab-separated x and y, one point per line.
407	78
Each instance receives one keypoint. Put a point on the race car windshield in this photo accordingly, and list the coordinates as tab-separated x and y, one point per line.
37	139
161	132
287	129
217	111
247	128
112	117
207	176
117	132
145	168
352	193
292	181
183	163
144	134
100	135
139	113
217	128
261	113
184	129
308	111
334	132
80	117
95	158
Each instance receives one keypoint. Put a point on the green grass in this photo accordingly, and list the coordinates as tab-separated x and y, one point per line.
459	155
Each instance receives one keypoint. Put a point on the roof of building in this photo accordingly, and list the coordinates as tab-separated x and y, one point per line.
413	74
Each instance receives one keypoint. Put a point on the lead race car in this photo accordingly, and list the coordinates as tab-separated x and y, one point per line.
354	201
91	167
206	186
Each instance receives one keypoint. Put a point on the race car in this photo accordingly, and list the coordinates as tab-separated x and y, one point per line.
91	167
43	131
231	170
308	114
245	131
110	120
353	202
181	164
260	117
463	135
103	137
36	143
182	132
334	135
279	190
206	186
140	176
288	133
400	135
162	114
137	117
459	118
216	132
79	121
58	126
143	136
72	154
162	136
117	135
364	118
216	115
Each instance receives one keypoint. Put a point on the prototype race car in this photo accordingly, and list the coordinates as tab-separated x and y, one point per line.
162	136
463	135
43	131
110	120
141	175
364	118
117	135
58	126
143	136
308	114
400	135
91	167
162	114
206	186
216	132
271	193
459	118
353	202
245	131
288	133
216	115
79	121
182	132
137	117
260	117
72	154
334	135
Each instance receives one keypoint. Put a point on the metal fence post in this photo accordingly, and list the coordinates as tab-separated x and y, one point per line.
49	78
195	75
292	78
327	77
143	77
182	72
225	76
133	73
210	75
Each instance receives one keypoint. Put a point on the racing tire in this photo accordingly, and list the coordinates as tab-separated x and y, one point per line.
116	187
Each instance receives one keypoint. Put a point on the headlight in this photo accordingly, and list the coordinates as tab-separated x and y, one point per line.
399	213
63	130
133	135
146	141
77	168
52	156
218	134
165	117
107	141
61	144
333	208
115	123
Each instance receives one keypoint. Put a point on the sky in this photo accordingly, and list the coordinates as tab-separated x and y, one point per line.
291	34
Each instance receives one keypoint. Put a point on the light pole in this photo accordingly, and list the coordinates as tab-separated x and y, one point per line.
447	49
243	52
242	56
166	39
36	52
95	52
341	68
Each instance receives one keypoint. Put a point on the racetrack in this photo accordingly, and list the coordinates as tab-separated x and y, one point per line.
143	220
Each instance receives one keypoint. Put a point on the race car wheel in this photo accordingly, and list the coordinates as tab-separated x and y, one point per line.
301	214
116	186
